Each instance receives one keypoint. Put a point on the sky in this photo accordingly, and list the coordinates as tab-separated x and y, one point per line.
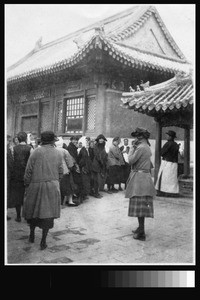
26	23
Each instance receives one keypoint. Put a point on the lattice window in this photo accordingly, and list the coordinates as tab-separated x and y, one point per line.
59	116
74	114
75	107
91	112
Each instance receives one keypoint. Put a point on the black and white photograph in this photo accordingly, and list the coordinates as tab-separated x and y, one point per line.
99	134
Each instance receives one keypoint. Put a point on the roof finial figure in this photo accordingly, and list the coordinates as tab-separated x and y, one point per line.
131	89
144	85
78	41
138	88
99	29
38	44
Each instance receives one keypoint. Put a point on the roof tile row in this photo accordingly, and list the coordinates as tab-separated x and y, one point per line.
176	96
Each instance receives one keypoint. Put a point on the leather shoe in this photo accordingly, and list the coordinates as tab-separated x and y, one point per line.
18	219
31	238
97	196
114	190
43	246
139	236
72	204
136	230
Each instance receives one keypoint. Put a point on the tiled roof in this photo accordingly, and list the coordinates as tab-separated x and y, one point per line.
174	94
139	58
64	52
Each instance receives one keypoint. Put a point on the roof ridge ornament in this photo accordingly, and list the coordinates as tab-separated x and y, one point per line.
78	41
38	44
99	32
99	29
181	75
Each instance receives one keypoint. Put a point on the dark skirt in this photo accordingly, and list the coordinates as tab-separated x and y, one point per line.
41	223
86	180
125	172
141	206
76	178
10	203
114	175
66	188
17	193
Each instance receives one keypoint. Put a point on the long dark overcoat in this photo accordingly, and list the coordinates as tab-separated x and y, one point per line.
43	171
21	155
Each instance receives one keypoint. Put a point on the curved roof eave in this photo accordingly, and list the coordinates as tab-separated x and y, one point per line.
98	40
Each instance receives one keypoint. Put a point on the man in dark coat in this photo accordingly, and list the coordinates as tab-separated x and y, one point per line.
21	154
167	182
99	164
85	159
9	172
75	171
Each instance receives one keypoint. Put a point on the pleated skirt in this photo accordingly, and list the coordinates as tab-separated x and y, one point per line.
141	206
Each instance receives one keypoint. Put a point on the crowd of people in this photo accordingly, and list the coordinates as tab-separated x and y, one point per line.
42	180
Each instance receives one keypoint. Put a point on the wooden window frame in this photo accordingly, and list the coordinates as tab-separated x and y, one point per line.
64	113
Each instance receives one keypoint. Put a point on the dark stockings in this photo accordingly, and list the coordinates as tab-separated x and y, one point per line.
141	224
18	211
43	244
139	233
32	234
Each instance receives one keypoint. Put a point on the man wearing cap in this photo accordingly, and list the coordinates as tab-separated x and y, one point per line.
72	148
99	163
42	175
140	188
167	182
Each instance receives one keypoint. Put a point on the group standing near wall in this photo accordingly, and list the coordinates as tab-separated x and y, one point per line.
54	175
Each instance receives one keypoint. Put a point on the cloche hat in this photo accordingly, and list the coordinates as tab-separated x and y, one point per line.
171	133
48	136
141	131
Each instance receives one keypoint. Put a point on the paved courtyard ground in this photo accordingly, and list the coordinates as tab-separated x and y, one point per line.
99	232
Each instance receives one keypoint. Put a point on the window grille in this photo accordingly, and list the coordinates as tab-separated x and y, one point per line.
74	115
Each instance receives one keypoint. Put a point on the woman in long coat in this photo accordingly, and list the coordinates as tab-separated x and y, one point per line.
140	188
42	175
66	188
115	163
21	153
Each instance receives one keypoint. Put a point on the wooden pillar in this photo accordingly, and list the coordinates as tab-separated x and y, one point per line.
53	108
64	115
84	112
187	151
157	149
39	118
